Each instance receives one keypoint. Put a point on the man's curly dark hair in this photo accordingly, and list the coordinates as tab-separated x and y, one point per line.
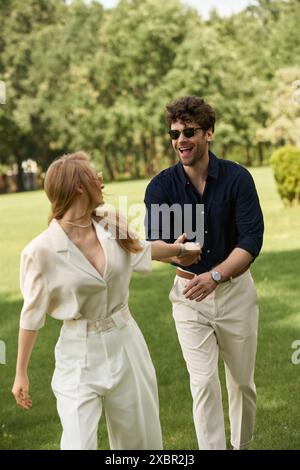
191	108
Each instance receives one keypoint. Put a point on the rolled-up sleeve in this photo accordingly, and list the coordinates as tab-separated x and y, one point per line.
248	215
35	294
142	261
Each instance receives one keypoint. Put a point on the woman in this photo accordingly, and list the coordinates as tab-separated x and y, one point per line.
77	272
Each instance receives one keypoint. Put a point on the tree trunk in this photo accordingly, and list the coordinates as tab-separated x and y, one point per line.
248	156
20	182
153	164
144	148
136	172
109	167
260	153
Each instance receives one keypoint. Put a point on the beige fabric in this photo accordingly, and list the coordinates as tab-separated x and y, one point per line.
104	324
109	370
226	323
109	367
56	278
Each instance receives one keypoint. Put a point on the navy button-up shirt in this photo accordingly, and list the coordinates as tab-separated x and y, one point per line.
230	210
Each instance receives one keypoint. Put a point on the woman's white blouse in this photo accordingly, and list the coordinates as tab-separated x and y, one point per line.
56	278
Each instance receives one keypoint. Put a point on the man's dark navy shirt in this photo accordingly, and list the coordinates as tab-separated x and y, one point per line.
232	213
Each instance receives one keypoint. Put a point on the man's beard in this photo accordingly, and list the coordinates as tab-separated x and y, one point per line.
197	157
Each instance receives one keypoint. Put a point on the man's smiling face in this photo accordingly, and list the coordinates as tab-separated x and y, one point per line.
190	150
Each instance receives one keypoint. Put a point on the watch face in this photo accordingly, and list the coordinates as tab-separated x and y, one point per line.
216	276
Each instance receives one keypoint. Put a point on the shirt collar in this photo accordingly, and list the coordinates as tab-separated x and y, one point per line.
213	169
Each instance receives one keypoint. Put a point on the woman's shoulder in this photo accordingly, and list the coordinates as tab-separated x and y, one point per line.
38	244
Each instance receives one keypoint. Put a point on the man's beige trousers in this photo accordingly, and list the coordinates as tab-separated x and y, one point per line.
225	322
111	370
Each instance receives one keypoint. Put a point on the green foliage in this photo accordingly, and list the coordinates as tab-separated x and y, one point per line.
3	169
82	77
286	166
283	122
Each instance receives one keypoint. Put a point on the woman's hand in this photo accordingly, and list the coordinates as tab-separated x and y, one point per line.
189	257
20	391
177	252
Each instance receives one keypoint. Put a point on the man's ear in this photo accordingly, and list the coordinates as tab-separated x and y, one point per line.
209	135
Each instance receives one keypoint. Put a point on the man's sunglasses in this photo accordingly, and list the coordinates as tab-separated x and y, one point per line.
187	132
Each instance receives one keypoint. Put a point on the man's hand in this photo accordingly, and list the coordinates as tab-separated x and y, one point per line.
188	259
200	287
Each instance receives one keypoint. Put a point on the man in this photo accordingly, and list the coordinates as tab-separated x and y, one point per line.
214	301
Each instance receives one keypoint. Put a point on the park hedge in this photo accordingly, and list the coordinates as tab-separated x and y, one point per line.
285	162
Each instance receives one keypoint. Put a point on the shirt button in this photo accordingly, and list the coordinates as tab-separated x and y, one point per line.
206	231
207	251
202	212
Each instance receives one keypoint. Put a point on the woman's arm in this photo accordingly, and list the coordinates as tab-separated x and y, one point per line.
161	250
188	259
20	388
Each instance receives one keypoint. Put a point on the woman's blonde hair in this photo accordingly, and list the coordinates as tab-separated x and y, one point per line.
62	180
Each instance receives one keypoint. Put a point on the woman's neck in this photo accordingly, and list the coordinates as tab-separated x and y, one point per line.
77	223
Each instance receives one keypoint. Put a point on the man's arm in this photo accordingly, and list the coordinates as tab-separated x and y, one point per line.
248	217
201	286
236	263
248	220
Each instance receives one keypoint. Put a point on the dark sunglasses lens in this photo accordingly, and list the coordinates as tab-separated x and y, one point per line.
174	134
189	132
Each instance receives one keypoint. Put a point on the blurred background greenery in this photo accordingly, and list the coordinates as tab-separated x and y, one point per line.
79	76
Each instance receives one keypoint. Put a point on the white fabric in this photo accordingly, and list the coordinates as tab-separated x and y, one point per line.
226	323
56	278
110	370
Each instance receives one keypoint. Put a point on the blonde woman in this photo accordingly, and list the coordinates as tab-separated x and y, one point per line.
78	272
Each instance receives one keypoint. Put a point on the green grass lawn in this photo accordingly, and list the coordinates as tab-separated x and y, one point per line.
276	273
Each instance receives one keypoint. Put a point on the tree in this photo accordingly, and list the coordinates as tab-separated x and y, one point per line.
283	123
21	26
104	89
140	42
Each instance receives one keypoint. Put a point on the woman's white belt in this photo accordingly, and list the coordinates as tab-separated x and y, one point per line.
118	319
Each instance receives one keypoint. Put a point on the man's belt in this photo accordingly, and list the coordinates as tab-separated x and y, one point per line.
190	276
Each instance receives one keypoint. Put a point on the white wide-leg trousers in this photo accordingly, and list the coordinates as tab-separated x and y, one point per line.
225	322
110	369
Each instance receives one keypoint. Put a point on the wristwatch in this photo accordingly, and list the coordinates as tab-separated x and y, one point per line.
216	276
